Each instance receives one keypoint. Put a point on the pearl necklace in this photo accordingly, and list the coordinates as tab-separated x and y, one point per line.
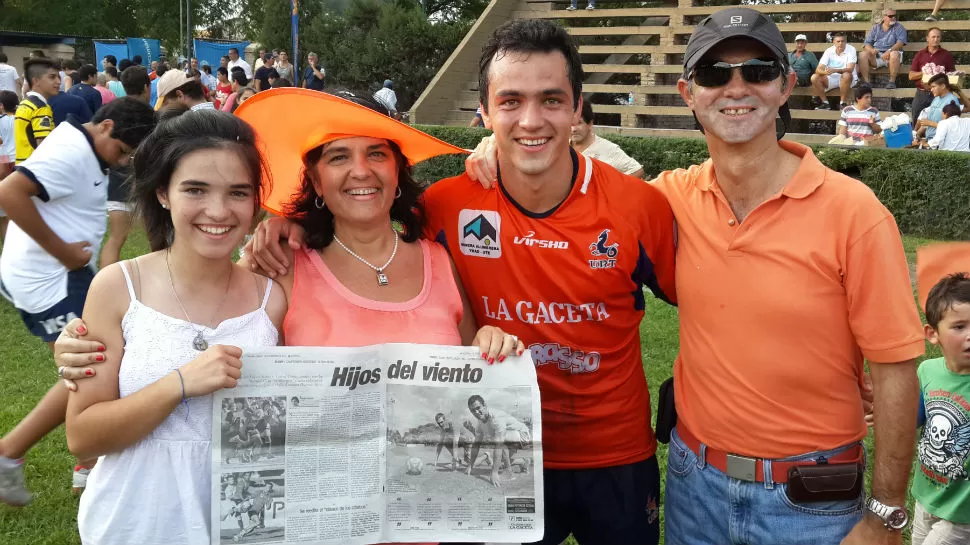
381	277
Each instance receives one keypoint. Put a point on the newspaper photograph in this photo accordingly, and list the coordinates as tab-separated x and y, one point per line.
385	443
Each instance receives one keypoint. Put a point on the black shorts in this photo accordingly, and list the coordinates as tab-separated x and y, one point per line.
617	505
48	324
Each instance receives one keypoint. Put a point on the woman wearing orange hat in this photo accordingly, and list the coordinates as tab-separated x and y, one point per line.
342	170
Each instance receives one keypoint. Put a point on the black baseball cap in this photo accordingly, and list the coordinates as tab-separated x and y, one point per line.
734	23
738	23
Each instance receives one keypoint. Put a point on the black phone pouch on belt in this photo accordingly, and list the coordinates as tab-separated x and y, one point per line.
825	482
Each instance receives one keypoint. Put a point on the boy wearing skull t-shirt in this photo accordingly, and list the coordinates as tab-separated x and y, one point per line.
942	485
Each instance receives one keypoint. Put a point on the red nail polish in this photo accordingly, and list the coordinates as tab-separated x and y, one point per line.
89	372
82	330
491	360
99	357
484	356
100	349
501	359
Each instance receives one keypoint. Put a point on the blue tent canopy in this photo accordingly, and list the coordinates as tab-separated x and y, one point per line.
149	49
211	52
119	50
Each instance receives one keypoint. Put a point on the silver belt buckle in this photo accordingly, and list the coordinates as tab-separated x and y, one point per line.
741	468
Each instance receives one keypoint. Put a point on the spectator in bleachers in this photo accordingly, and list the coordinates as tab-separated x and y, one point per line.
802	61
836	68
883	47
590	144
943	94
953	131
932	53
591	5
935	16
860	121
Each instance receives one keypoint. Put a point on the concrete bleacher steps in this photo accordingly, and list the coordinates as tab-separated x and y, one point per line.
642	56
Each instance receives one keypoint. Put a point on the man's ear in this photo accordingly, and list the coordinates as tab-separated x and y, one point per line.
486	119
105	127
788	86
686	92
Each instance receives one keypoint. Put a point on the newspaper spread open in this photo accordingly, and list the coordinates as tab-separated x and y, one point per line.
386	443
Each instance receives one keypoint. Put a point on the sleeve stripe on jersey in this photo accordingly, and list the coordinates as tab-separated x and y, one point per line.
644	275
440	238
588	175
42	191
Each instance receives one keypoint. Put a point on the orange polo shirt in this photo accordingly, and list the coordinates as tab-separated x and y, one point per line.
777	313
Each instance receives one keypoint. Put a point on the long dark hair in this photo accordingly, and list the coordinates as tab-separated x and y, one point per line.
159	154
318	222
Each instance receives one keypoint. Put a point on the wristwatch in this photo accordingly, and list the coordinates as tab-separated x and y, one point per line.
895	518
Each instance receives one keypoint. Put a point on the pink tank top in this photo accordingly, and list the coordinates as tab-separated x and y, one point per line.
323	312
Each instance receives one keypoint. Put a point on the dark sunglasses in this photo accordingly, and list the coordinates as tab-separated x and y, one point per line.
752	71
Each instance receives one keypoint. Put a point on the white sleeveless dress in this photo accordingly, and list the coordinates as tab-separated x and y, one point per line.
157	492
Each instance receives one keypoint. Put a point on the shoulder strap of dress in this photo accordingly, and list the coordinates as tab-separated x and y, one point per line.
131	288
269	289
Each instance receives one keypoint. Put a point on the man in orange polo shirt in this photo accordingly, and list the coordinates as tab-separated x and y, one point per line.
789	276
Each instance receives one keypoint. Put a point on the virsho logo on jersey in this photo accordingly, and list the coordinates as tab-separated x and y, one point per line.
530	240
478	233
604	250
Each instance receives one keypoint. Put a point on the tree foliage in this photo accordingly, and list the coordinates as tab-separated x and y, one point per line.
373	40
111	19
360	42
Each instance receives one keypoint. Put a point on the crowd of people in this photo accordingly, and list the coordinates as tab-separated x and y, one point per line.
849	70
789	277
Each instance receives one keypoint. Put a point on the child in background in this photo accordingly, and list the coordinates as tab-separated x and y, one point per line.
941	486
8	146
223	88
860	121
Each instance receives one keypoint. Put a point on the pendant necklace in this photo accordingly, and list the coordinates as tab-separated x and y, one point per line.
381	277
199	343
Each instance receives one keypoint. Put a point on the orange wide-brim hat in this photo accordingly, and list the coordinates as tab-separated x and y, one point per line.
291	121
935	261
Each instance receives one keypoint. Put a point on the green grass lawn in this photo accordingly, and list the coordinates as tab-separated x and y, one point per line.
28	371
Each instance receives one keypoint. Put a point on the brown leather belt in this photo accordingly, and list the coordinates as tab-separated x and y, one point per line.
746	468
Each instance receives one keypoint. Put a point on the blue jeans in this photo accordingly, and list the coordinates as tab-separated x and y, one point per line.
702	506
